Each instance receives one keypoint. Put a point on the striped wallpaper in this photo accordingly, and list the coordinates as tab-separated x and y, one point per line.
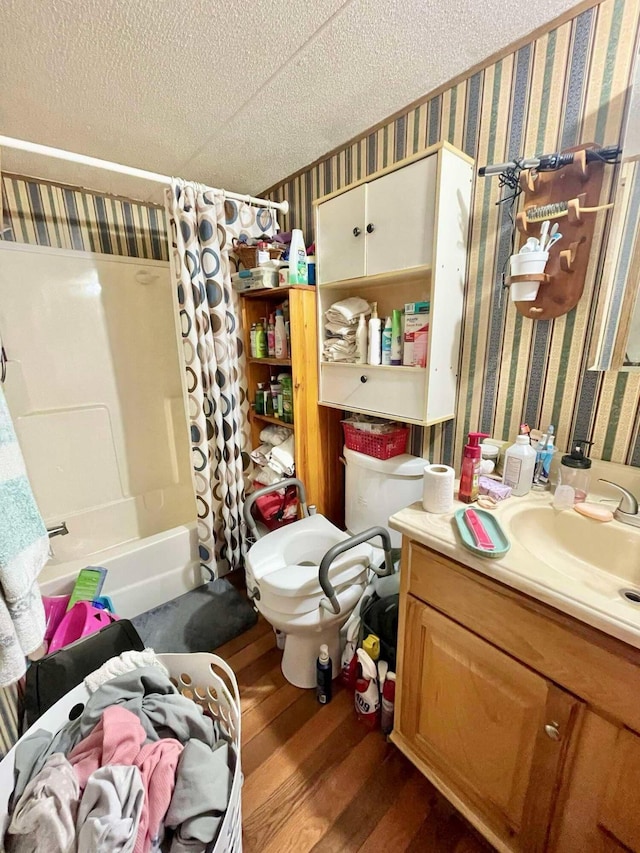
564	88
48	214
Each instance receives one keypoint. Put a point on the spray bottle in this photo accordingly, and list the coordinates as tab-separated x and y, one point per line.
349	661
323	676
388	703
471	460
367	699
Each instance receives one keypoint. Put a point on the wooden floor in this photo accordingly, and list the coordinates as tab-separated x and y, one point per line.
316	779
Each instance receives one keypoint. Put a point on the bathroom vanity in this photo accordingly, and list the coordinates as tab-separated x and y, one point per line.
518	689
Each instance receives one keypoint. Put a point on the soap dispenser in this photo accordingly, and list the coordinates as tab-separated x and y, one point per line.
471	460
575	469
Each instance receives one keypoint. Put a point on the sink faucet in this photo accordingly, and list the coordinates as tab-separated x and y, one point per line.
57	530
627	509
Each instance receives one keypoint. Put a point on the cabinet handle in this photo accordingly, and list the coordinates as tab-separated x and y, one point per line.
371	228
356	232
363	379
552	731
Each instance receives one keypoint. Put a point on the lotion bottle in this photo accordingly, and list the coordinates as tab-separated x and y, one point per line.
361	341
280	337
471	460
386	342
374	336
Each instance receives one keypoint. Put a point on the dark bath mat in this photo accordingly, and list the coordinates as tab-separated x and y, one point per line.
198	621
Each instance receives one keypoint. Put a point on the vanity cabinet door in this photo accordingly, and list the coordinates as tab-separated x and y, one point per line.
601	813
341	236
485	728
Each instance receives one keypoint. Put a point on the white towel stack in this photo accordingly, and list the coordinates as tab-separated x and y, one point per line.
275	457
341	324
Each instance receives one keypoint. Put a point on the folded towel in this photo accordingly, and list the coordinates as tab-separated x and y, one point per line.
345	358
340	330
347	310
260	454
274	434
24	550
267	477
281	458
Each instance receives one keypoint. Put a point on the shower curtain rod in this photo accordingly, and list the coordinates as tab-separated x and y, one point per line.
82	159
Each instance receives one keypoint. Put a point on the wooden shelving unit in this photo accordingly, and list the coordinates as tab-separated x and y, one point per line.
317	429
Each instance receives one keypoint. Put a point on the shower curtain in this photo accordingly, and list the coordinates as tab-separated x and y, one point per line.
203	224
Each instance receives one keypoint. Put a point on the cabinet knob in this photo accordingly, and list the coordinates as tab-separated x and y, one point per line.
363	379
552	731
356	232
371	228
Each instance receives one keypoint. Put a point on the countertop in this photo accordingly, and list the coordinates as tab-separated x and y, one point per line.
569	585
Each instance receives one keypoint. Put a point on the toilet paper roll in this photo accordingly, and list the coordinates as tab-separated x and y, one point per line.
437	494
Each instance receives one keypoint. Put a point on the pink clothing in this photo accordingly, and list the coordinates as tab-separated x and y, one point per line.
157	763
116	739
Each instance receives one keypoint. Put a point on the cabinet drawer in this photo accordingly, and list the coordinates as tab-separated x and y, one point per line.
401	391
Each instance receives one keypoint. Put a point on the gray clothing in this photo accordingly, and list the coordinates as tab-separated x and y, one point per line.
146	692
201	795
110	809
45	816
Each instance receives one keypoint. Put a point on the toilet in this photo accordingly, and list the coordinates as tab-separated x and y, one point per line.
282	567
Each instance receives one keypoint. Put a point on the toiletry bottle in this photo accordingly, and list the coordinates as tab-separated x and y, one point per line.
252	340
261	340
361	340
297	258
396	337
374	336
386	343
575	470
471	458
349	660
280	334
367	697
323	676
519	466
271	337
387	703
287	397
262	255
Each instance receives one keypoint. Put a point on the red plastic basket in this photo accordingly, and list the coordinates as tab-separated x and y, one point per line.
381	446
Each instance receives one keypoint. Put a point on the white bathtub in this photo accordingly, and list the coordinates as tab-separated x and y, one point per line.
142	573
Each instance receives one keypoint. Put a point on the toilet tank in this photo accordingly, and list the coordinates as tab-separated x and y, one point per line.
377	488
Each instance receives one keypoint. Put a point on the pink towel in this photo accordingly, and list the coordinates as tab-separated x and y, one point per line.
116	739
157	763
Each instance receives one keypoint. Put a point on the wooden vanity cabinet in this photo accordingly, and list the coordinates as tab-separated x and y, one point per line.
520	715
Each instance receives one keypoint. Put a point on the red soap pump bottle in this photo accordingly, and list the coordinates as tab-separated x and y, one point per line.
471	459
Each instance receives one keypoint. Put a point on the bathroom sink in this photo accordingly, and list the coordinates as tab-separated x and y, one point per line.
570	543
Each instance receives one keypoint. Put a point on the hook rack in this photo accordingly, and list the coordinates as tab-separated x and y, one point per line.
567	193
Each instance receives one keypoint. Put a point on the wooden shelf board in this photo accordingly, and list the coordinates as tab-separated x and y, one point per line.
408	275
369	366
270	420
275	293
276	362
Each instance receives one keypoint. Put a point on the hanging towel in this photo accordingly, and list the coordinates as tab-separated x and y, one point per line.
24	550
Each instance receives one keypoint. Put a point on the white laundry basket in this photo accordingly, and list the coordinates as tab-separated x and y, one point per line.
196	678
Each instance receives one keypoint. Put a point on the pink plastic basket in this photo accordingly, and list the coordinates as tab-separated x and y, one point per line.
381	446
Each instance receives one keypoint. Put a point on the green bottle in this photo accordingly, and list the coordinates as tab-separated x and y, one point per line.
287	397
261	341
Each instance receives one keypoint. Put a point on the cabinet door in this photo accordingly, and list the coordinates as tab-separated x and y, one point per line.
492	729
341	249
400	217
601	812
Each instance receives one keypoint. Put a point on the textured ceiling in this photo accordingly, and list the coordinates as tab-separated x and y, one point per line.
233	95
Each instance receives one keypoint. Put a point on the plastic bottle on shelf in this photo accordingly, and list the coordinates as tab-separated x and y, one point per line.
280	336
297	259
471	459
396	337
361	340
286	382
519	466
261	340
374	336
386	343
271	337
252	340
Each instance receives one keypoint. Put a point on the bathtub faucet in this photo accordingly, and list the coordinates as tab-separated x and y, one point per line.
57	530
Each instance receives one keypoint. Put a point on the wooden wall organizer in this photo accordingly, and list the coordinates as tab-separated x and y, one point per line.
561	288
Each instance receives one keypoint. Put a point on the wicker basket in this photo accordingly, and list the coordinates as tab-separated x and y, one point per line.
379	445
196	678
247	255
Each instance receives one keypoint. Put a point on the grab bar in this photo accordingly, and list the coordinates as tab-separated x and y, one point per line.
330	603
281	484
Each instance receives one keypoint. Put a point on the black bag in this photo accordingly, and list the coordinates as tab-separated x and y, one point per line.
380	617
49	678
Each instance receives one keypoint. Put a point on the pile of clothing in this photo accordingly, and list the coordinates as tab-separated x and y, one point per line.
275	456
141	769
341	324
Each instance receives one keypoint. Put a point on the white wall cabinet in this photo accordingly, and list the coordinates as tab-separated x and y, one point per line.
396	238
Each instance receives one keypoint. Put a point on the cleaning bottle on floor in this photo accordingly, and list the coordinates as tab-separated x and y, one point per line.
323	676
387	703
349	661
367	699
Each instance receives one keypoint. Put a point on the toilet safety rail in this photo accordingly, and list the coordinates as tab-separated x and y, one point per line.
281	484
331	603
